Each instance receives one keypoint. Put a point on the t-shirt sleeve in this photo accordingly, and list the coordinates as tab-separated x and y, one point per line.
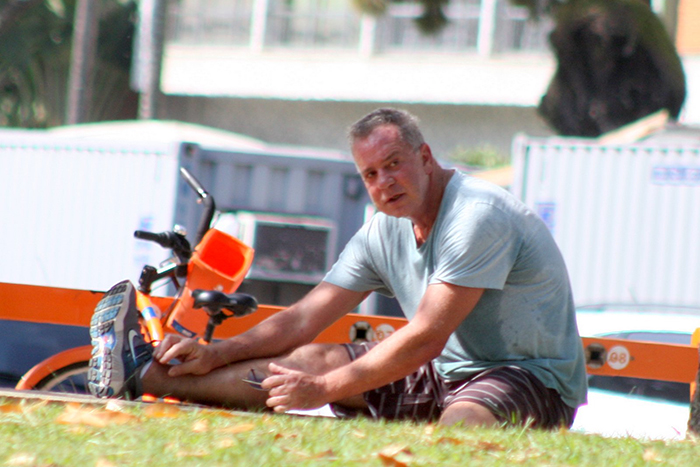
477	248
354	269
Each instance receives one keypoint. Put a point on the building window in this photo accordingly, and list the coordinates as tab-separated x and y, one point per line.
482	26
397	29
312	23
215	22
278	190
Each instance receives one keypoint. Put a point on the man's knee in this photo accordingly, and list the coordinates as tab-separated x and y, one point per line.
317	358
468	414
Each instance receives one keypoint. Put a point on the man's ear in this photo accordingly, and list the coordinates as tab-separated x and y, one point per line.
426	157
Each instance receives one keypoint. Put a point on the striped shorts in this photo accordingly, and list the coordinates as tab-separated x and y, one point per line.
514	396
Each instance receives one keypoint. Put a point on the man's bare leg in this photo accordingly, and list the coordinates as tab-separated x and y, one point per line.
468	414
225	386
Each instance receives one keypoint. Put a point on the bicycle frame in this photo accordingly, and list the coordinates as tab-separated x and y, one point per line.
219	262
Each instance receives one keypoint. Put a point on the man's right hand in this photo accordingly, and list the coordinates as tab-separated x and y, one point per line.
195	358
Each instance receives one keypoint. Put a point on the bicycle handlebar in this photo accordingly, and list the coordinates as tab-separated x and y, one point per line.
193	182
164	239
206	199
175	240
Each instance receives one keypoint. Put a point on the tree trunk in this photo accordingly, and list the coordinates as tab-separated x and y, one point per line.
151	32
80	79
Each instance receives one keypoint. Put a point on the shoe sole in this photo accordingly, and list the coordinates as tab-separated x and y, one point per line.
109	321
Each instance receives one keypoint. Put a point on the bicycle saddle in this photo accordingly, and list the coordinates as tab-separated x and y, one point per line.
213	301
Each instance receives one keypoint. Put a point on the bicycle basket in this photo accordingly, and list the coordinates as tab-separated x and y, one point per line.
220	262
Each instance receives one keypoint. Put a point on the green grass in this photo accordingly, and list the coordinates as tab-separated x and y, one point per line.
54	434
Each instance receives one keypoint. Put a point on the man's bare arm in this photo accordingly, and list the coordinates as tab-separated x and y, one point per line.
282	332
442	309
297	325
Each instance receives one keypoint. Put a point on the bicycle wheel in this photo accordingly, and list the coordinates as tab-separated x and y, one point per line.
71	379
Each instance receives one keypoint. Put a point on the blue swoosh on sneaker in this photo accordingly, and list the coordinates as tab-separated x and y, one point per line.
132	348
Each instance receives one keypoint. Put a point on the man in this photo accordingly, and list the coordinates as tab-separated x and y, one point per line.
491	338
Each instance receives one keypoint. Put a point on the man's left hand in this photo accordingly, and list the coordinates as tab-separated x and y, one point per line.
294	389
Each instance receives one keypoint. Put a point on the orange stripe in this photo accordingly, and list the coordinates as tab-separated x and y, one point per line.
47	304
665	362
648	360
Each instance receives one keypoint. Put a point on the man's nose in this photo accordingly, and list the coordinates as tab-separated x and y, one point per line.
386	180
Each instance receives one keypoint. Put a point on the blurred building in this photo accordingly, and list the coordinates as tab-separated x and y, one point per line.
300	71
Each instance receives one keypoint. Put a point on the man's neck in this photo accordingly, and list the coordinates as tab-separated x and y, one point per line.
422	226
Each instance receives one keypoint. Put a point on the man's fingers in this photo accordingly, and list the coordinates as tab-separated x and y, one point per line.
272	382
278	369
183	369
279	404
179	350
165	345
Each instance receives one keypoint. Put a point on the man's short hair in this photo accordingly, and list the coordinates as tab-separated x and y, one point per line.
406	123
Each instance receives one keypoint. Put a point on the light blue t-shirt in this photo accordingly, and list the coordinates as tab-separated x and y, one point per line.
483	237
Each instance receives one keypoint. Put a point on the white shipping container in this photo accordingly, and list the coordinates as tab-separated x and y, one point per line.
626	217
68	209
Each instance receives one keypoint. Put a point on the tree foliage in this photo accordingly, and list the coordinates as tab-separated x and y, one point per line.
35	50
615	61
616	64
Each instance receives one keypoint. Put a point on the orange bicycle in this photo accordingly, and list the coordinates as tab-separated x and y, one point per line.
206	279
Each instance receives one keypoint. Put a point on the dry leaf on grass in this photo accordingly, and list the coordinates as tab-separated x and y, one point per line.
21	458
329	454
196	453
449	440
200	426
75	414
162	410
102	462
21	406
224	413
482	445
522	457
225	443
179	451
395	455
242	428
651	456
11	408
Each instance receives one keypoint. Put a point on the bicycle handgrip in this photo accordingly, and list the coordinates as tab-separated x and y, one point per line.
164	239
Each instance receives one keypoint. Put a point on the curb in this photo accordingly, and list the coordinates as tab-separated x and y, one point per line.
86	399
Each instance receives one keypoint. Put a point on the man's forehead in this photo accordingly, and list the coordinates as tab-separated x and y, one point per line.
381	135
387	130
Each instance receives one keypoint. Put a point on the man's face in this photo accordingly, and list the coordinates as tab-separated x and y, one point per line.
395	175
